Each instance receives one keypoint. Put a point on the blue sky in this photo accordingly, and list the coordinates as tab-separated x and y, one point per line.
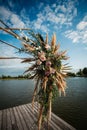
66	18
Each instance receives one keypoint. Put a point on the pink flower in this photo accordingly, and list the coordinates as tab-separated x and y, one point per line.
47	73
41	56
50	71
38	62
48	63
47	46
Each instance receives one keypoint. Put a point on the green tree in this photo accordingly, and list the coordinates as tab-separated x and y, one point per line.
85	71
80	72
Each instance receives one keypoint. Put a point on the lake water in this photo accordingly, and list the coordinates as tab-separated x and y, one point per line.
72	108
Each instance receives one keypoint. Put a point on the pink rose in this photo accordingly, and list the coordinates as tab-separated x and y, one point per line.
48	63
41	56
50	71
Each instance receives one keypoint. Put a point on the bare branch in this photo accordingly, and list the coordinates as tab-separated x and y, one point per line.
2	58
16	29
10	45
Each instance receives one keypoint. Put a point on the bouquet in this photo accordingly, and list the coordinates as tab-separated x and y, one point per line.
48	71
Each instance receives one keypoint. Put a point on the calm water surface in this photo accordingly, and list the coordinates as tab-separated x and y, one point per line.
72	108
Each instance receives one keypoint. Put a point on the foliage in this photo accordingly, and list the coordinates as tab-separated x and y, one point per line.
85	71
82	72
71	74
15	77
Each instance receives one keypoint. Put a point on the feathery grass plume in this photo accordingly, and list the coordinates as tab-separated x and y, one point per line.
56	48
53	42
46	39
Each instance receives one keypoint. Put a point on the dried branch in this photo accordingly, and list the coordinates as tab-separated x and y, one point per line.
16	29
9	44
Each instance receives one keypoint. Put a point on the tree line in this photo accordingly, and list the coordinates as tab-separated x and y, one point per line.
80	73
15	77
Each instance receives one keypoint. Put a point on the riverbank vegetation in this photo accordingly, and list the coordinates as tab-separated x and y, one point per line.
80	73
15	77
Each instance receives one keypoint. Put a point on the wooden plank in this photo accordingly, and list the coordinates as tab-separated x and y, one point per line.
34	113
9	126
64	125
56	121
22	119
4	120
18	122
33	117
0	119
13	120
26	116
52	126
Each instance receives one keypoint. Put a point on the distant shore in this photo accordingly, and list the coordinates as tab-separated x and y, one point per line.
21	77
15	77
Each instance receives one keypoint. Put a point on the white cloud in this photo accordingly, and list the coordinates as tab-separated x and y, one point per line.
73	35
25	17
11	18
9	52
5	13
55	15
80	34
82	25
16	21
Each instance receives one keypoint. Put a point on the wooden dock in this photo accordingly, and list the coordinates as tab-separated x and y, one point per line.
24	118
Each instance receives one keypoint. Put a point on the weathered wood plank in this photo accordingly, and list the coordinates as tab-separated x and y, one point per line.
18	122
4	120
26	116
52	126
33	117
61	123
23	117
9	126
0	119
13	120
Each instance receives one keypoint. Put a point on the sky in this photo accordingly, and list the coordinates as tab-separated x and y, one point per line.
66	18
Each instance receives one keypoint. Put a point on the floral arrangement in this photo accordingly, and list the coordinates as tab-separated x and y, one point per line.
48	71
